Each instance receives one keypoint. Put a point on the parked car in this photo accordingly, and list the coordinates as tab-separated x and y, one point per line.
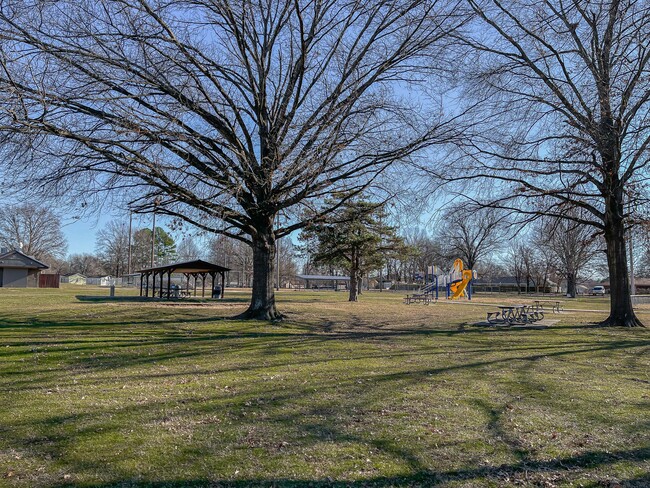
598	290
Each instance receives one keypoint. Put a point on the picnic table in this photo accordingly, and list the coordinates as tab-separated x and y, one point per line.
418	298
512	314
556	305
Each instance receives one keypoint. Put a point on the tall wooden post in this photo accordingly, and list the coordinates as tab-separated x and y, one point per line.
223	283
169	284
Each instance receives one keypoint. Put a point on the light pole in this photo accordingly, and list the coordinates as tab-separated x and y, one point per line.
156	202
130	234
153	239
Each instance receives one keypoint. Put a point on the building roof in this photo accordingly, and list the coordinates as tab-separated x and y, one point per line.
509	280
637	282
18	259
323	278
196	266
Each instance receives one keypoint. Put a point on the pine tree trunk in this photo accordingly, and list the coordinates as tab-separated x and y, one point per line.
262	306
621	312
354	278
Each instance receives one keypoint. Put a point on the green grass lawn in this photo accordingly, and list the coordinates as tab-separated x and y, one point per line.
95	392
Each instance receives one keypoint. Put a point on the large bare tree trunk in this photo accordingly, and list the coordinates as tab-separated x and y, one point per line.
262	306
571	284
621	311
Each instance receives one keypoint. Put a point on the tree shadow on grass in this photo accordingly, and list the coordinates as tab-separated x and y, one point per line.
527	472
156	300
315	424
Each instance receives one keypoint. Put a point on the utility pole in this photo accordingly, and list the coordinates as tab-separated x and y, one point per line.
153	239
631	248
130	234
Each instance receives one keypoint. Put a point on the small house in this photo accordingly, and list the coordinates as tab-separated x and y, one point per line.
74	279
100	280
18	270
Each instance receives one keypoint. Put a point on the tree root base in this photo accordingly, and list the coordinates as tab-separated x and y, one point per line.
264	315
624	322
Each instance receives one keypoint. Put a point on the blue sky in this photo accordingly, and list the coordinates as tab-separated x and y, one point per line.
82	233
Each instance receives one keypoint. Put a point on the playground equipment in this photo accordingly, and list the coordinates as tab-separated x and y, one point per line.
460	281
457	284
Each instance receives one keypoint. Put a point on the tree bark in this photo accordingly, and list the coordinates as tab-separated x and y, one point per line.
262	306
621	311
354	278
571	284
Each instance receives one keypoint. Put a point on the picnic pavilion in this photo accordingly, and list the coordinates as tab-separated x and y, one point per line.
161	279
329	281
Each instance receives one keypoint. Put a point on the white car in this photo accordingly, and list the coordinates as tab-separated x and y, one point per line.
598	290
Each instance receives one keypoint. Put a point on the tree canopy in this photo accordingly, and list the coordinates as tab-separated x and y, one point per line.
219	113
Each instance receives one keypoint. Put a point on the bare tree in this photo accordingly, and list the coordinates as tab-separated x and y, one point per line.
563	111
235	255
188	249
515	263
112	247
288	265
471	234
34	230
573	245
85	264
224	113
428	252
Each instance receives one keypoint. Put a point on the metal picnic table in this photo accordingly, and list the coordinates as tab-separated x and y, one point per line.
556	306
512	314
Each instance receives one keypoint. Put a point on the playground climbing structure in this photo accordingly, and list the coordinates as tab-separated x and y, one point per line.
456	284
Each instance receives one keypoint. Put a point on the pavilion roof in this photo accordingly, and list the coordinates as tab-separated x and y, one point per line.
196	266
323	278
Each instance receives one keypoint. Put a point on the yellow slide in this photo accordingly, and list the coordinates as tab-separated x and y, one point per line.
458	288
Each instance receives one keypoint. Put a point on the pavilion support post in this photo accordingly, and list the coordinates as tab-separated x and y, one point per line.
203	275
169	285
153	285
162	284
211	273
141	280
223	283
194	275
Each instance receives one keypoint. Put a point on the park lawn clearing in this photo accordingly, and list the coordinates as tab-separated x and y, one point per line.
98	392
